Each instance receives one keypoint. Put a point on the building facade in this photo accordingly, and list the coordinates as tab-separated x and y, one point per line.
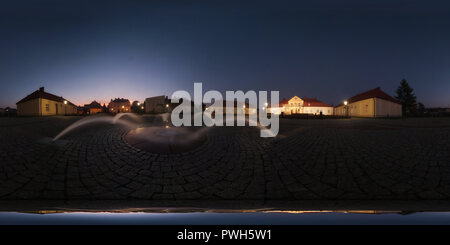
157	104
297	105
93	108
316	107
41	103
372	103
119	105
230	107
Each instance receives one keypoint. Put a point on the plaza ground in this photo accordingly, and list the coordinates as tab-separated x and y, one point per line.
310	160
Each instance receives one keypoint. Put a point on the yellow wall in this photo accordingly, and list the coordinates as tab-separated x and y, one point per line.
28	108
339	110
362	108
37	107
387	108
375	108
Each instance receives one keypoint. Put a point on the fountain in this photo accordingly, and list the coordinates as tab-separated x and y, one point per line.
99	119
155	136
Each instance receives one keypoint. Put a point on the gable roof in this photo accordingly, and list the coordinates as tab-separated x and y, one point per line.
313	102
373	93
120	100
94	105
40	93
281	103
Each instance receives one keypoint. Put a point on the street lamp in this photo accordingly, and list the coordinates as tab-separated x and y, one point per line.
65	103
346	108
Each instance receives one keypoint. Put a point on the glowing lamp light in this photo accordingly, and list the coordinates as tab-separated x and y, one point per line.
243	106
345	102
266	104
142	107
123	107
138	104
167	105
65	102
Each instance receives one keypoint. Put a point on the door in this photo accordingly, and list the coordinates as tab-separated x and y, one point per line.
56	106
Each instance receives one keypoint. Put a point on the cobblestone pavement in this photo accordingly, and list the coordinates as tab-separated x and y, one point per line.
341	159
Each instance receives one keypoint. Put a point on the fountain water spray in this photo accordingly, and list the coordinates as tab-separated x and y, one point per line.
99	119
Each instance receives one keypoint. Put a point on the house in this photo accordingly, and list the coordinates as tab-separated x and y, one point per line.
93	108
287	106
297	105
372	103
119	105
41	103
137	107
316	107
238	107
437	112
157	104
8	111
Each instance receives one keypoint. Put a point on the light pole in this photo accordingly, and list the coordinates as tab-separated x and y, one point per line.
65	103
346	108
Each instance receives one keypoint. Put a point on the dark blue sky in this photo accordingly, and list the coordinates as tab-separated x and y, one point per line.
86	50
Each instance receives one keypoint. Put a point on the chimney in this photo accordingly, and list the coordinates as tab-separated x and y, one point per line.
41	89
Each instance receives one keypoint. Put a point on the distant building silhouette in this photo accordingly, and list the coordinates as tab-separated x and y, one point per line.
119	105
157	104
93	108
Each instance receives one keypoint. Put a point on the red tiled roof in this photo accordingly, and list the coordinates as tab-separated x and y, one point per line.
94	105
280	104
374	93
313	102
40	93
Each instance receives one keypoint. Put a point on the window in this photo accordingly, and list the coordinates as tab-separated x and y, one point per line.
47	107
367	107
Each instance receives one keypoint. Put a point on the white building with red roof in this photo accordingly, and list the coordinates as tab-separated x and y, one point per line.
297	105
316	107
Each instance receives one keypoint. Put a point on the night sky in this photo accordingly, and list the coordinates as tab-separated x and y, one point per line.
92	50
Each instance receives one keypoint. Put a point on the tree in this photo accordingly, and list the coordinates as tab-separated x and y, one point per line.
406	97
